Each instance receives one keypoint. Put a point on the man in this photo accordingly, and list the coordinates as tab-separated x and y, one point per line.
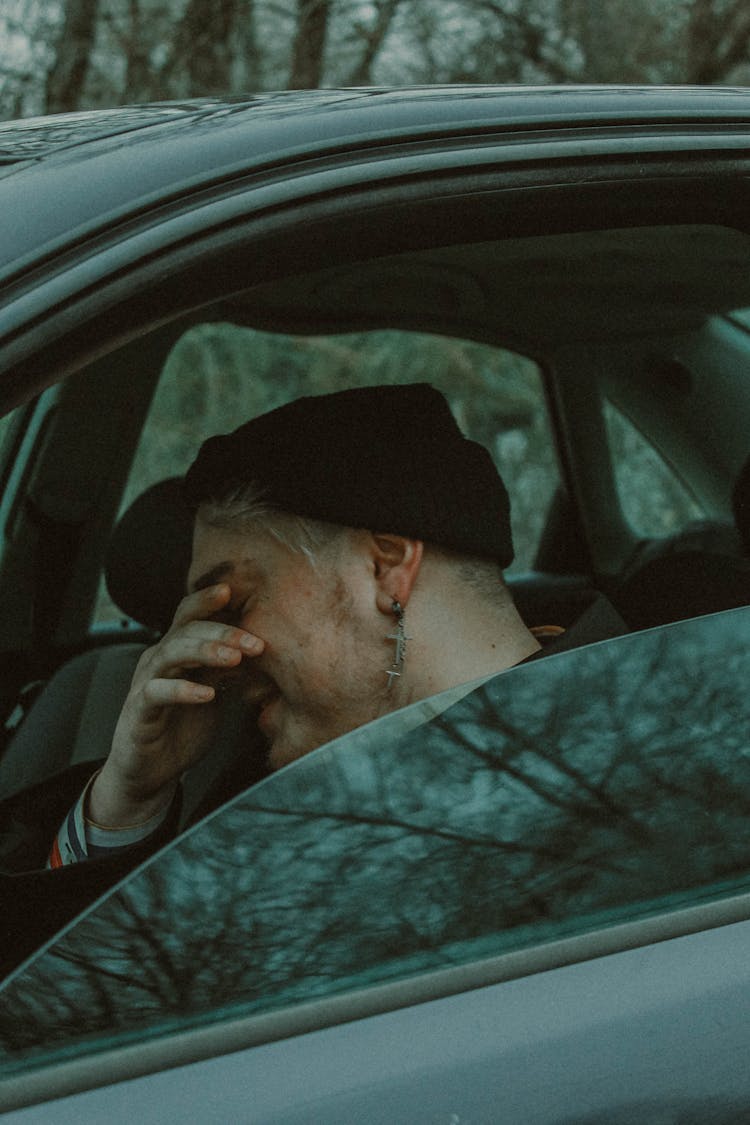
327	533
347	561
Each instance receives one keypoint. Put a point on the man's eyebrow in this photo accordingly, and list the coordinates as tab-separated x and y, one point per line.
212	576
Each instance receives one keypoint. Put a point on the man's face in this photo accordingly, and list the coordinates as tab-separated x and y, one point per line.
321	672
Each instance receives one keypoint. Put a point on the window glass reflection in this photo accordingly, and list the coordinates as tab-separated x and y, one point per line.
593	785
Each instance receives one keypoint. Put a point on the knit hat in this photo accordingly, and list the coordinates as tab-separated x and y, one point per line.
388	458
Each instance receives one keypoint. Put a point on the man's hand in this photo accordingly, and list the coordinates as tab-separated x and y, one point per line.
166	721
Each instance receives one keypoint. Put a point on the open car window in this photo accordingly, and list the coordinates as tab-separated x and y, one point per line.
564	797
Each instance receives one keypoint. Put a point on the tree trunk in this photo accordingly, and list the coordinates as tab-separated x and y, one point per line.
246	69
309	44
214	50
374	37
702	42
717	41
66	79
138	76
208	27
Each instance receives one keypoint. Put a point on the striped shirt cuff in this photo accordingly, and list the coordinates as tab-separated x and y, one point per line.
78	839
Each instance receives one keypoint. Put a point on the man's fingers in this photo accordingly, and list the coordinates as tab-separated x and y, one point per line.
183	651
217	631
188	652
202	603
166	693
198	644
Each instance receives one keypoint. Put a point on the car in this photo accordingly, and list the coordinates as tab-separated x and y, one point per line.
520	901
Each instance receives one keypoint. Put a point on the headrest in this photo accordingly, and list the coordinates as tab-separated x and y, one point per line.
149	554
680	585
702	536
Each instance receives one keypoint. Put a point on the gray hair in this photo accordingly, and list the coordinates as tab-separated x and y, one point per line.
245	506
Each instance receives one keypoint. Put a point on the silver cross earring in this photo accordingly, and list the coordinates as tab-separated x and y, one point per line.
400	638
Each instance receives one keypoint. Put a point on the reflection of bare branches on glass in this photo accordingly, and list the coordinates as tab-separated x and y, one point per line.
581	784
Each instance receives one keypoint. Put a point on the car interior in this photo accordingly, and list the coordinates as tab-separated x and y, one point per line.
604	369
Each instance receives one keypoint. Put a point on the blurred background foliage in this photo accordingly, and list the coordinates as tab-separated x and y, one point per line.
61	55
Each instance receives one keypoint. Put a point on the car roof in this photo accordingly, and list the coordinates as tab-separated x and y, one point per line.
370	113
135	156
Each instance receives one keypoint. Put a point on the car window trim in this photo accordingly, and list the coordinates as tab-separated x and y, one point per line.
180	1048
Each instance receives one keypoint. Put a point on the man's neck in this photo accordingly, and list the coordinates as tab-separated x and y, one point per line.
477	646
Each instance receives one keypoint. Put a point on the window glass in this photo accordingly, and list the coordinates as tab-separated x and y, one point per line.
565	795
742	316
10	424
6	422
654	500
220	375
19	434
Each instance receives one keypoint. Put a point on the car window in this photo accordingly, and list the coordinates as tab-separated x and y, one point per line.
20	433
6	421
653	498
220	375
9	427
600	785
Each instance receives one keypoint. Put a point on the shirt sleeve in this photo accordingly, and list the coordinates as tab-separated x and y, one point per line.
79	838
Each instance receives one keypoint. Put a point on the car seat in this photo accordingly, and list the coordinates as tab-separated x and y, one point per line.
73	718
682	584
698	570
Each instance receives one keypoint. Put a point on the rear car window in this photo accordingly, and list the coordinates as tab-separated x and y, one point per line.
653	498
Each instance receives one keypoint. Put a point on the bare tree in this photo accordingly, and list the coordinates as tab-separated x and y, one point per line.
597	783
718	40
75	54
308	49
214	42
66	79
135	46
372	36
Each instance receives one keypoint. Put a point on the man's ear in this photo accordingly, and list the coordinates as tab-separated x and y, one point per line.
396	565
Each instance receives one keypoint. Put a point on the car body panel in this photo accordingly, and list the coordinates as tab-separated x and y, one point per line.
196	175
629	1037
206	145
552	832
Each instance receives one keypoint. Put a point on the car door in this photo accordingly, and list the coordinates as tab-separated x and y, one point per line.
526	899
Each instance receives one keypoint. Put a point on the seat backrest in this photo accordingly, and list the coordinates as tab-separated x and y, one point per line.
72	719
705	536
74	716
682	584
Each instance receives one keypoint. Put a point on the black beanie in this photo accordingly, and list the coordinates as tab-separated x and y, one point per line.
388	458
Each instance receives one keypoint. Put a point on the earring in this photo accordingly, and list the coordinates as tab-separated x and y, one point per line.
400	638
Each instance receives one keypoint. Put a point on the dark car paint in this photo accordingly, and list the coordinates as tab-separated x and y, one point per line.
134	158
183	203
